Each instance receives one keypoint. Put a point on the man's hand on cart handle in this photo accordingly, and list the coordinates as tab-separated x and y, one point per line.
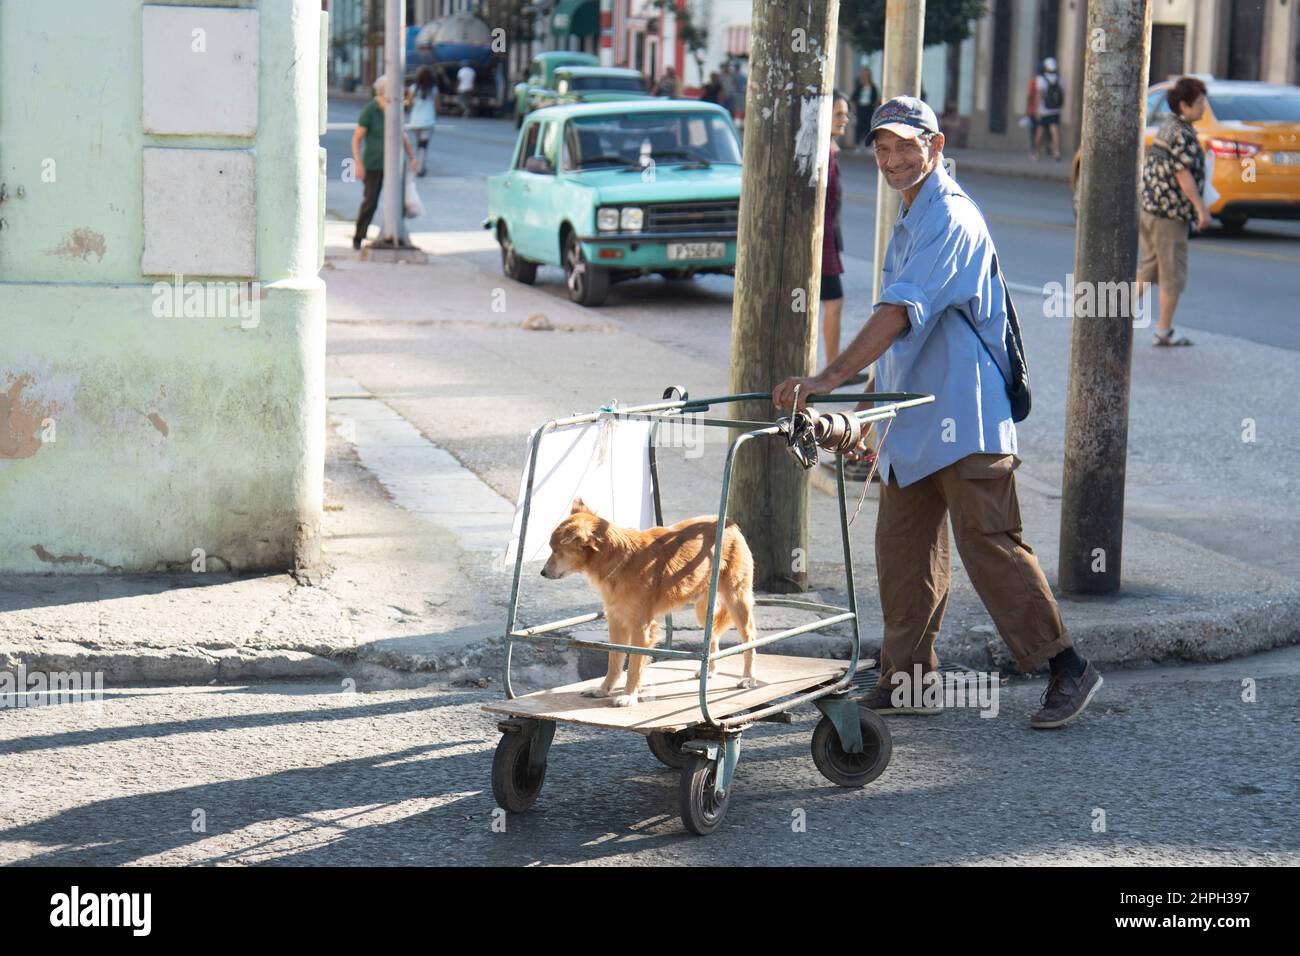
887	323
783	395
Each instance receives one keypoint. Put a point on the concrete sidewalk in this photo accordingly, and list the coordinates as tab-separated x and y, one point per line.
433	393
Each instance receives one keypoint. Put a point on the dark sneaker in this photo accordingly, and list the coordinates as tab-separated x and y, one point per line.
1065	698
881	701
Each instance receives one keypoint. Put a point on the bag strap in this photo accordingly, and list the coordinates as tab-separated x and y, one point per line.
1012	321
1013	343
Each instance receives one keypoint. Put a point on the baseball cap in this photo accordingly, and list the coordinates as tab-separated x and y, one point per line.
906	116
1050	64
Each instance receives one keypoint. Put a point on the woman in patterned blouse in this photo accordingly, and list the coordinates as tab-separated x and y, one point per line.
1173	178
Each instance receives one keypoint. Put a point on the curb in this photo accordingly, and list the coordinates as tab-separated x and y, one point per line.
1197	637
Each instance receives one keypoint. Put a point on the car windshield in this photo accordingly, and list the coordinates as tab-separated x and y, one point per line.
632	139
1256	107
619	83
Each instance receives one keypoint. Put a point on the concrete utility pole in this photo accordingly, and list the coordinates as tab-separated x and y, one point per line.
778	265
394	156
1101	348
904	38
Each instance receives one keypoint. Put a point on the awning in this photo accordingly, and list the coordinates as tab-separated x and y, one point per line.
738	40
578	18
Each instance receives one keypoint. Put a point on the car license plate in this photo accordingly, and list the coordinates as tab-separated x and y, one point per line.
696	250
1287	159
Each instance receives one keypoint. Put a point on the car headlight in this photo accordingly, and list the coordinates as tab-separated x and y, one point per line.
607	220
631	219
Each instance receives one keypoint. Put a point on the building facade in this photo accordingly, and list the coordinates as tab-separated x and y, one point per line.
162	375
1229	39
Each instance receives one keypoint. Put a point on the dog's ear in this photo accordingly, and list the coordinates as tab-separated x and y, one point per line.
579	534
579	506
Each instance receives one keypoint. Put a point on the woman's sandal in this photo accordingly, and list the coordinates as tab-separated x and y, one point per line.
1170	339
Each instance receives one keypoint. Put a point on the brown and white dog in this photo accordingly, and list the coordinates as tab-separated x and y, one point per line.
642	575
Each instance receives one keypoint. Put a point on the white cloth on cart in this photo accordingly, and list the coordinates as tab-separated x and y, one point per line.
605	463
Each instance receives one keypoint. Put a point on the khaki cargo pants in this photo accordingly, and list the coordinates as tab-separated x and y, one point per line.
912	562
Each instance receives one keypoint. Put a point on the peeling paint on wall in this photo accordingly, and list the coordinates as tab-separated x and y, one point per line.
156	420
22	419
79	244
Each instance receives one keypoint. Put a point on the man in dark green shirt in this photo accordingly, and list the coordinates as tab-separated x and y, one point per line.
368	156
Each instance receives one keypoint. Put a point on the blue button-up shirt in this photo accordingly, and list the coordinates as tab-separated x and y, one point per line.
938	264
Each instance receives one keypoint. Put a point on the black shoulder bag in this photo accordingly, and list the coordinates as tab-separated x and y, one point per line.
1017	383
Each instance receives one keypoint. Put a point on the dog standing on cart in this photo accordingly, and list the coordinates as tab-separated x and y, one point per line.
940	322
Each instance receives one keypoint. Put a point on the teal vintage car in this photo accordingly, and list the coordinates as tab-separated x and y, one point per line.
539	88
596	84
611	191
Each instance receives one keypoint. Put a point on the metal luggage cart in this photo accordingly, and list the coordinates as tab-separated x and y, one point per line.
691	726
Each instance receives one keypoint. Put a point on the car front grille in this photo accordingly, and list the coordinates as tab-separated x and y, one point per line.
678	217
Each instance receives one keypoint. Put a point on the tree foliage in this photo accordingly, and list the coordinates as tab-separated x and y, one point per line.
692	24
946	21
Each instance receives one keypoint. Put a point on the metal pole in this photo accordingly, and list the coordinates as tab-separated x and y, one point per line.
394	158
904	35
1096	415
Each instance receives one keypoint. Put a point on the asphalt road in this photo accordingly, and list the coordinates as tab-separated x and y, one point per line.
1245	286
1175	765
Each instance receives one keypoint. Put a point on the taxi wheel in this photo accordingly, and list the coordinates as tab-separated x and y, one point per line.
1233	225
588	284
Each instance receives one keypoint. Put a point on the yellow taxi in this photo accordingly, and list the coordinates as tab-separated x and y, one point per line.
1251	137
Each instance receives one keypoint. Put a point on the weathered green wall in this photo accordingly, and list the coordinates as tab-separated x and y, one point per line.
130	439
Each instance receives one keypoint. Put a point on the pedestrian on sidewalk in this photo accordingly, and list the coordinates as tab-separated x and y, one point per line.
1173	177
465	79
1051	97
727	88
712	92
667	85
368	156
1031	114
866	97
424	115
832	291
957	456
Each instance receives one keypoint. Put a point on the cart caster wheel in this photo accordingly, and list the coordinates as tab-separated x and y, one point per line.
514	785
852	770
668	748
701	811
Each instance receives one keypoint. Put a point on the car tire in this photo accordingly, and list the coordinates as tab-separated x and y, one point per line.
1233	225
515	267
588	284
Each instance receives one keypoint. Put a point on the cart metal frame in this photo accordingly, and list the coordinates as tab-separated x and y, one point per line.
715	738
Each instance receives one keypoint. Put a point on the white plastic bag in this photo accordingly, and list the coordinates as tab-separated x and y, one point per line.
414	207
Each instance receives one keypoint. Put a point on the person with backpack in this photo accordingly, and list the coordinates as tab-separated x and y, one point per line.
1051	97
944	325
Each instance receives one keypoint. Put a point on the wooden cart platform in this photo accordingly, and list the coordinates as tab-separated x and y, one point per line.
670	693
